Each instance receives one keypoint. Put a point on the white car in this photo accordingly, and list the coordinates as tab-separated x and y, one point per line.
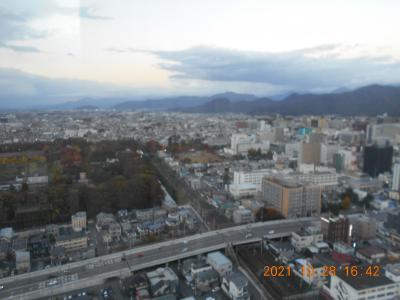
271	232
1	287
248	235
216	289
52	282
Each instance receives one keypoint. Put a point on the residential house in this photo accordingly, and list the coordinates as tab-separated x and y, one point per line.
235	286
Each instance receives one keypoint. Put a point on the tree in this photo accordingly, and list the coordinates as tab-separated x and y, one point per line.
346	202
334	208
268	214
367	201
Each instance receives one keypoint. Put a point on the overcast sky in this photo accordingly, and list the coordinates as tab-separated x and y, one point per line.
265	47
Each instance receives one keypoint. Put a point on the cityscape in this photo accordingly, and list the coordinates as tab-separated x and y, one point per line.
178	150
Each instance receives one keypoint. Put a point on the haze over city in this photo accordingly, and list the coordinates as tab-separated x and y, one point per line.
56	51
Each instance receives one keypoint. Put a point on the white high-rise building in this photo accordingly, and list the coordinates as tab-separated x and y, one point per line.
396	177
78	221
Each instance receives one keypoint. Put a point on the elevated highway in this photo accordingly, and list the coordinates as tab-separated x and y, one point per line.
90	272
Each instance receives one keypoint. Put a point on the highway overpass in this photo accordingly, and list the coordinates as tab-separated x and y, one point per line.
90	272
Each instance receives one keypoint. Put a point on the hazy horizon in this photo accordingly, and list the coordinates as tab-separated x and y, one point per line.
58	51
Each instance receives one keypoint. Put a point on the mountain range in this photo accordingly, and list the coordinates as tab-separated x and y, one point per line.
368	100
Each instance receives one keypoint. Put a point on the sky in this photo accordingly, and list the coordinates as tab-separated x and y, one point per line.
55	50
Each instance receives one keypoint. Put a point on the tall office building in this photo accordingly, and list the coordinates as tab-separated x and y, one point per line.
377	159
396	177
292	198
336	229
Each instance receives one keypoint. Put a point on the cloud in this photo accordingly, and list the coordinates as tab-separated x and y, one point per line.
19	89
90	13
18	48
15	27
322	68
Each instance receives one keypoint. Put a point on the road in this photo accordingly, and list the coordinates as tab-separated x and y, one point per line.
94	271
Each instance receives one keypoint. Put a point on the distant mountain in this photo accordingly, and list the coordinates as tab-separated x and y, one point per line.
85	102
234	96
369	100
181	101
87	107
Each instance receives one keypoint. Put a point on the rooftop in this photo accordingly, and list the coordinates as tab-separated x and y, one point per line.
218	257
364	282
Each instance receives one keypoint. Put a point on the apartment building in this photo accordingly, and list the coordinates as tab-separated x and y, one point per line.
292	198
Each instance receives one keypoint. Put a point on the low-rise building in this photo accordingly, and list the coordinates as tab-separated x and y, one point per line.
22	261
371	254
242	216
162	281
220	263
380	287
114	229
206	280
304	238
235	286
72	241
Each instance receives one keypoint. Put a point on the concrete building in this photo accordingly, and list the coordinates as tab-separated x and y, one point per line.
302	239
371	254
327	152
78	221
242	143
362	287
162	281
327	180
220	263
364	227
72	241
22	261
242	216
381	133
250	177
235	286
206	280
243	190
310	153
292	198
336	229
115	231
396	177
393	220
377	159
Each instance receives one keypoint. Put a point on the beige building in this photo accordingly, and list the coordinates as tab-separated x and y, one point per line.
72	241
292	198
310	153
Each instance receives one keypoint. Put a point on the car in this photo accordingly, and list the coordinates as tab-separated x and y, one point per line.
52	282
248	235
216	289
185	249
185	241
1	287
271	232
139	255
